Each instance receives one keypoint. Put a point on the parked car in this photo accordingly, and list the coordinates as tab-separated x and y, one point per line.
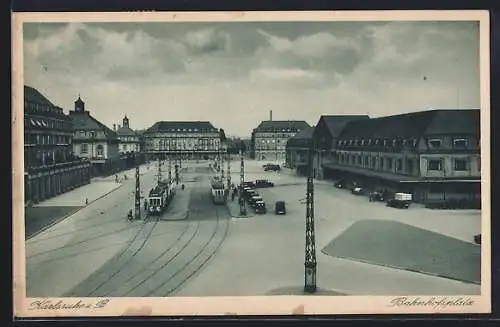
280	208
400	200
254	199
260	207
263	183
357	189
477	239
377	195
272	168
249	184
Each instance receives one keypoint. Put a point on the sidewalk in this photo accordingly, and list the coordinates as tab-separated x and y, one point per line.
234	209
76	197
179	207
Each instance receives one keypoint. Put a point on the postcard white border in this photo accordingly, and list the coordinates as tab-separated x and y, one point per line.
265	305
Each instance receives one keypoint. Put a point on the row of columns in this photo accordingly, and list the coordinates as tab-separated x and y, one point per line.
46	186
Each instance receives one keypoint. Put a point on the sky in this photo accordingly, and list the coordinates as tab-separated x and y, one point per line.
233	73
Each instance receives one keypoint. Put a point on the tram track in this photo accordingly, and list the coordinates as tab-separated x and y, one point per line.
102	275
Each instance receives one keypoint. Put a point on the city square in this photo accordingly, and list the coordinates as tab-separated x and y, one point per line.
253	159
199	249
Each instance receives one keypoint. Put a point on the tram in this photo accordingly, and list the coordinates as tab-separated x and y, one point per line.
217	190
159	197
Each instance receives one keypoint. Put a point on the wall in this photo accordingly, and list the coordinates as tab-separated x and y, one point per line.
448	165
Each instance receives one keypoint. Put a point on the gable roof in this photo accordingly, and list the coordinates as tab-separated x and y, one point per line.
460	121
336	123
411	125
302	138
33	95
273	125
84	121
181	126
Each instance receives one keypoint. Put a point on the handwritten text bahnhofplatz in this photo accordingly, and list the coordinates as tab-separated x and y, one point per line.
434	302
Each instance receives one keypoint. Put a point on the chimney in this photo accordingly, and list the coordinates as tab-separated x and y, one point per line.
114	127
270	115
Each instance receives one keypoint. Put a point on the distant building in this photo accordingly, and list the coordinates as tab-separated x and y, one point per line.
182	140
325	136
433	154
128	139
95	141
297	149
269	139
50	168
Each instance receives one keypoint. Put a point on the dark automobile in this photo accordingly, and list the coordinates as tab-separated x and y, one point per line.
357	189
280	208
249	184
254	199
272	168
266	165
263	183
377	196
340	184
260	207
477	239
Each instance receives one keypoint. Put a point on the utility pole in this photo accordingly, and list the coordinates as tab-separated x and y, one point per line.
137	193
228	171
243	209
310	250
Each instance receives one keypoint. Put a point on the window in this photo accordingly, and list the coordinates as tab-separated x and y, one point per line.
435	165
374	162
460	143
125	147
434	143
460	164
85	148
359	160
366	161
381	162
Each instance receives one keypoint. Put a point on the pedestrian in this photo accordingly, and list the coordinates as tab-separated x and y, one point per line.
86	201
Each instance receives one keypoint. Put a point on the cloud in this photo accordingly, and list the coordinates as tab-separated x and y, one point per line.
234	73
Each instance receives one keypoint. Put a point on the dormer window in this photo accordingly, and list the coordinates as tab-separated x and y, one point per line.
385	142
350	142
377	142
460	143
370	142
362	142
415	141
434	143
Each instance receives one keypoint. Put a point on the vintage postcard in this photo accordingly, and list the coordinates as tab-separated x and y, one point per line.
243	163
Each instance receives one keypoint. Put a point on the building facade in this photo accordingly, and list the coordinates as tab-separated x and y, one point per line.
269	139
95	141
128	139
297	150
433	154
50	167
182	140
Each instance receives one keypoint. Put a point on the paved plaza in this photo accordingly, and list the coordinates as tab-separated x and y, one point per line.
200	249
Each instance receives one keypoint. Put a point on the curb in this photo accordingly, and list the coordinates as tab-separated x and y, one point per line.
407	269
55	222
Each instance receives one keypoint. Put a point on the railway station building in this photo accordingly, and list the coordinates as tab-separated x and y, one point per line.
433	154
181	140
50	166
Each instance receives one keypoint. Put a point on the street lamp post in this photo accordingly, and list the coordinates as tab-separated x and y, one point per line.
137	193
310	249
228	171
243	209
